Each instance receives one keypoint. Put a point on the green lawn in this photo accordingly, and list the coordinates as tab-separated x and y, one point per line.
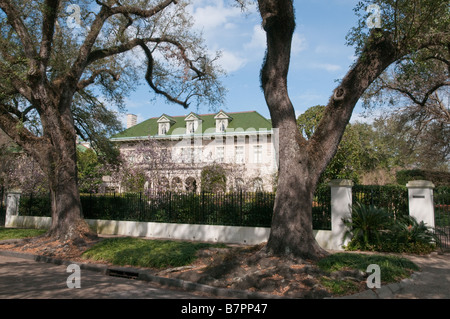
17	233
392	269
145	253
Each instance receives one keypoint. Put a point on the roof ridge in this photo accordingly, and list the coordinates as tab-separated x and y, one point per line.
206	114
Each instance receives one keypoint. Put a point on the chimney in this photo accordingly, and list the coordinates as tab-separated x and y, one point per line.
131	120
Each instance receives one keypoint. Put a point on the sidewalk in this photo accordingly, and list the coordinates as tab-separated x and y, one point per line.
431	282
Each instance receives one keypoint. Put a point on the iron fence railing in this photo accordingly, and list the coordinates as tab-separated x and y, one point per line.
232	209
2	206
442	214
392	198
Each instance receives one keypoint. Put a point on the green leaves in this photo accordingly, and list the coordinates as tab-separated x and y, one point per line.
367	223
375	229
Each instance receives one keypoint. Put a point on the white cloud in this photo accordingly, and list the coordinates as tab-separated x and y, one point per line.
327	67
231	62
210	17
258	39
298	43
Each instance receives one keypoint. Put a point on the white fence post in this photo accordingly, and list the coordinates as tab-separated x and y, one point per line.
12	206
341	208
421	202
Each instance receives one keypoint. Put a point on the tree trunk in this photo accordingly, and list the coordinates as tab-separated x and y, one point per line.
59	161
291	229
67	221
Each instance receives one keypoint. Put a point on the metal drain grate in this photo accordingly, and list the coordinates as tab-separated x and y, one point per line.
122	273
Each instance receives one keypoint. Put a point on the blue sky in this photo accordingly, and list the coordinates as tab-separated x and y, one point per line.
319	56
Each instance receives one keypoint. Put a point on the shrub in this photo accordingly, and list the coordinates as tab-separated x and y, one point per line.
366	225
374	229
408	235
438	178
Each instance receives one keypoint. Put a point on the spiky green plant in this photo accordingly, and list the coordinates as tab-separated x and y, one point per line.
366	224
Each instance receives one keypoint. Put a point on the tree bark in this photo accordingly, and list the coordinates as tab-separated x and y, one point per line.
57	158
302	162
61	168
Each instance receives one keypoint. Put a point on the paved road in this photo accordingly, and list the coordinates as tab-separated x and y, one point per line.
23	279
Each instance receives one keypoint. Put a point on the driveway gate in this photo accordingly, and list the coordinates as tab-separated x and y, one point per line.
442	214
2	207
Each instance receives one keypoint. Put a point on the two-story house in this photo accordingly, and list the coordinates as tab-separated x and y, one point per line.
175	149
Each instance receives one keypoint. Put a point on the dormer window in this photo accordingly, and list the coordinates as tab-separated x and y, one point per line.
191	128
222	121
222	126
192	123
164	123
163	128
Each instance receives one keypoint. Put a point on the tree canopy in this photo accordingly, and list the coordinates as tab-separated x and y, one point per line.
64	65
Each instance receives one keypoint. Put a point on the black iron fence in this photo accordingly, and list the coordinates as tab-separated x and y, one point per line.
234	209
393	198
2	206
442	214
230	209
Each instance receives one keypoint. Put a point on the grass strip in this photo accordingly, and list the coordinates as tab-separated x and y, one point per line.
393	268
147	253
17	233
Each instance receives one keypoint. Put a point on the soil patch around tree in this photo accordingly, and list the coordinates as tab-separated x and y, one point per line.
253	269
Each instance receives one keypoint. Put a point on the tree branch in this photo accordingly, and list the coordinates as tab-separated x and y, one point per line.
48	29
80	63
85	55
143	13
84	83
379	52
106	52
16	22
413	98
18	86
19	134
149	78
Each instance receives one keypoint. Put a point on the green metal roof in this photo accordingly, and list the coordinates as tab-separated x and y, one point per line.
250	121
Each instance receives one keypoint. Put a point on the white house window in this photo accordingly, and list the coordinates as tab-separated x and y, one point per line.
257	154
222	121
220	154
239	154
221	126
198	154
187	154
163	128
191	127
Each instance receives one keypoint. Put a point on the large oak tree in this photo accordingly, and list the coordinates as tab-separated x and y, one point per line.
57	57
406	27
